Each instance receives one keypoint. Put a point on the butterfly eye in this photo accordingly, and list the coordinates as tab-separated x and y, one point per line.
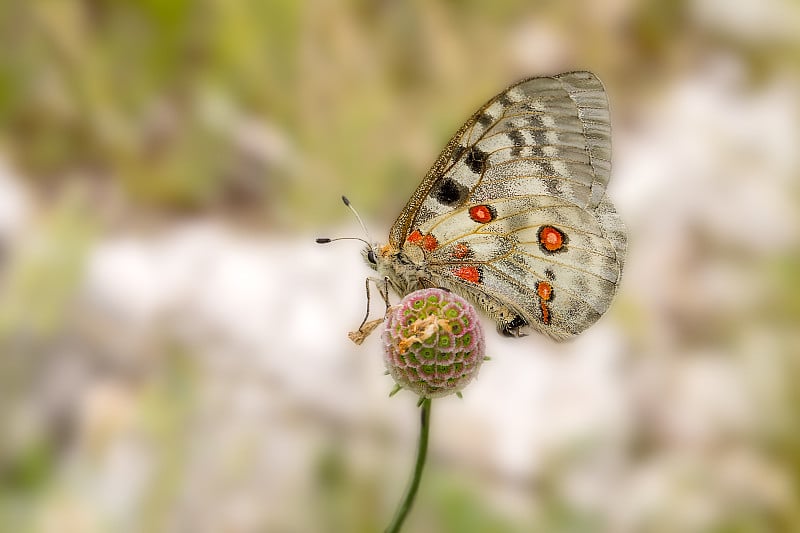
371	257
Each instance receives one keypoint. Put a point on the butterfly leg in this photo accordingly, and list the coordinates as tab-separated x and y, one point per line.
385	292
366	289
365	328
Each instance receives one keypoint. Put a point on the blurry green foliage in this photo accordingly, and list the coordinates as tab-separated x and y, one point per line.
345	500
41	280
351	501
37	290
455	507
167	405
154	98
29	472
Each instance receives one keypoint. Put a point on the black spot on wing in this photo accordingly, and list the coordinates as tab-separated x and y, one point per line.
550	274
485	120
535	121
553	186
516	137
475	160
547	168
539	137
450	192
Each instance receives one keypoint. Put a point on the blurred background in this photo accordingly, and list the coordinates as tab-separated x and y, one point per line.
173	350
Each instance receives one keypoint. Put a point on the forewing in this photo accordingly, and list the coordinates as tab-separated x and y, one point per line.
547	135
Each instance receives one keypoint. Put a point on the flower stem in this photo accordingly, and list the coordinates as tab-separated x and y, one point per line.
422	452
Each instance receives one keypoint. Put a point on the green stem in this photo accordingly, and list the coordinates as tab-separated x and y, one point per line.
422	452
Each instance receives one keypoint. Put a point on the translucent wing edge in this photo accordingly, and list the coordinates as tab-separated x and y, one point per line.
613	230
593	109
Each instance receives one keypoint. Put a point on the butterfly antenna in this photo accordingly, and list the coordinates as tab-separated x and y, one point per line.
361	222
325	240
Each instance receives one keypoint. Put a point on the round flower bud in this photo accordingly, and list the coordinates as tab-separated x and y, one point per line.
433	343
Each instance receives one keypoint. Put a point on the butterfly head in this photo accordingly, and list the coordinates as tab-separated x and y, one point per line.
393	264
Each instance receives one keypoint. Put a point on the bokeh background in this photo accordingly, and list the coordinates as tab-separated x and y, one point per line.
173	351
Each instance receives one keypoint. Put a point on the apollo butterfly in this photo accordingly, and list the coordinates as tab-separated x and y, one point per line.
514	216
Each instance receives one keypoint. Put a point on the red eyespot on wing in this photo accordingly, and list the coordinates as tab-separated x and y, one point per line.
551	239
544	290
545	312
429	243
468	273
482	213
414	237
461	250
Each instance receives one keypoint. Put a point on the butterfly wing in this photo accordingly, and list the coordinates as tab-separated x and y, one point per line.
514	210
545	133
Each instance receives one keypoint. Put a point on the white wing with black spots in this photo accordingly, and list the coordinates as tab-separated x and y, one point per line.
514	213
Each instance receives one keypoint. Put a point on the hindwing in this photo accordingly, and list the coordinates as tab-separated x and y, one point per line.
507	266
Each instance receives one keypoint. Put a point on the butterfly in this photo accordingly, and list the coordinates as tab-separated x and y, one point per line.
513	215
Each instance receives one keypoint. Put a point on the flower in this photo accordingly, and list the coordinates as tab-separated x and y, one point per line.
433	343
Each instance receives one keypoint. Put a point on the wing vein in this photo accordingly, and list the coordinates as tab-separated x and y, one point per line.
598	276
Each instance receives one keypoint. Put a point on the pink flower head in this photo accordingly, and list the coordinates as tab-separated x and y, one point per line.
433	342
